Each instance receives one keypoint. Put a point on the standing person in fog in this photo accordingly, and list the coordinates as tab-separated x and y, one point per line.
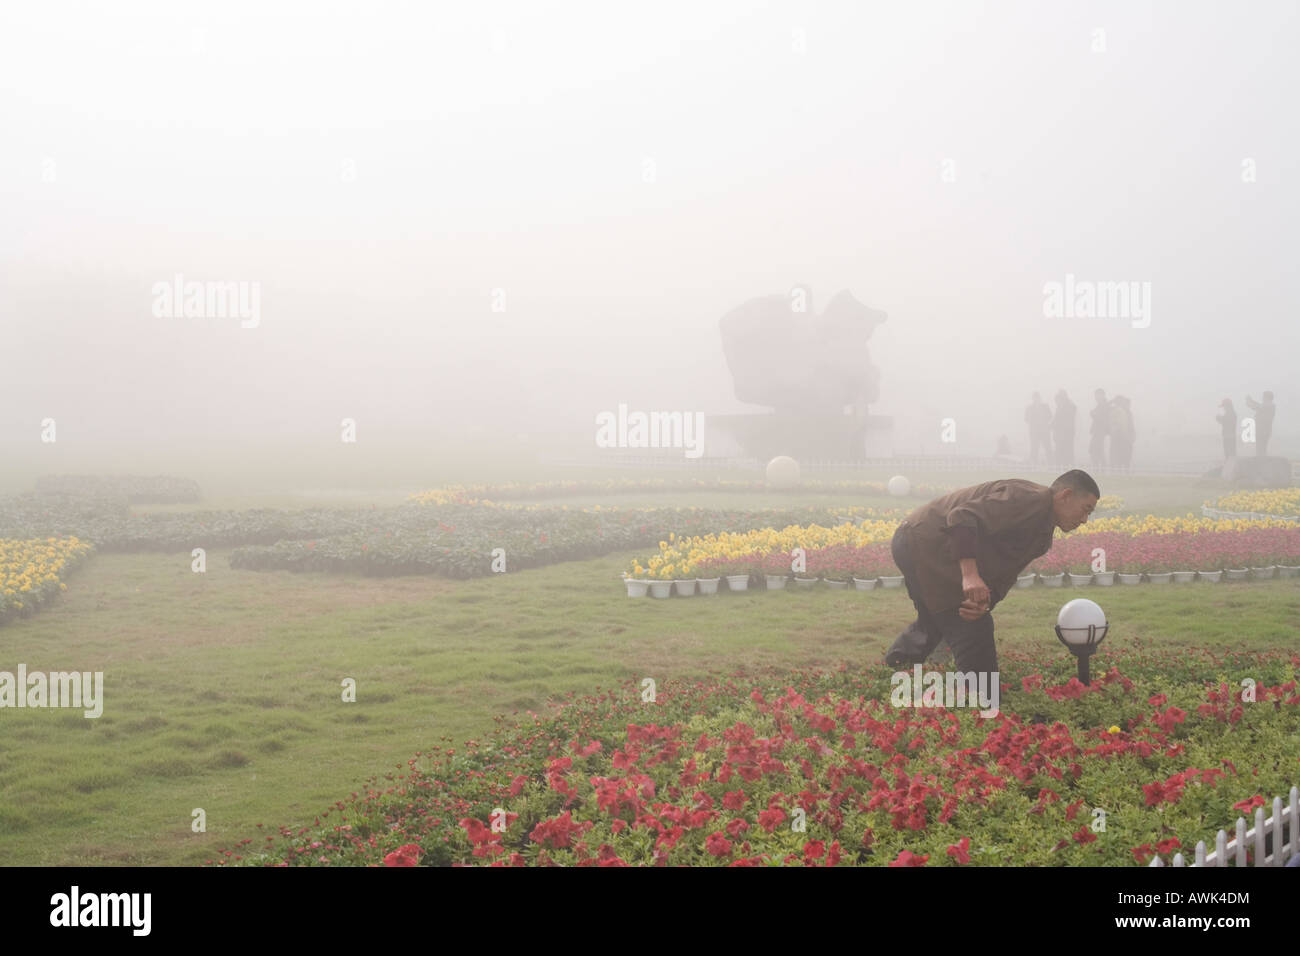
1063	429
1099	430
1039	418
1227	420
1263	421
1122	432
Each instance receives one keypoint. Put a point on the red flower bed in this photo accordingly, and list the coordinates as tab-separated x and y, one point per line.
818	769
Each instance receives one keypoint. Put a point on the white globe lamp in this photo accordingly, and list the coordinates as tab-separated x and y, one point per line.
899	486
1081	626
783	472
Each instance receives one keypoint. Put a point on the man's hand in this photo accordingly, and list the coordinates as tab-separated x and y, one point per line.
972	585
976	591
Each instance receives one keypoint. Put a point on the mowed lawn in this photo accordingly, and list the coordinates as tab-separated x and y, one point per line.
223	689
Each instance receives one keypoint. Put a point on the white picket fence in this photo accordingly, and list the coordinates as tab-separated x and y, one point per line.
674	458
1283	827
1208	512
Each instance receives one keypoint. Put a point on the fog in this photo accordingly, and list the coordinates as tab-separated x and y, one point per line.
476	226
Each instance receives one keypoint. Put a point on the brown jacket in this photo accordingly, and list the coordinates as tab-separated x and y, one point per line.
1013	523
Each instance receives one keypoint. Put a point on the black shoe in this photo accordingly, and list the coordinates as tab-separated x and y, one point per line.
897	660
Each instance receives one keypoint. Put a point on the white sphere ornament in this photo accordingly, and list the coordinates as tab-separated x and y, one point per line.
1077	617
899	486
783	472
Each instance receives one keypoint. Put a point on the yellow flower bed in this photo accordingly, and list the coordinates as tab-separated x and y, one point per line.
1150	524
1269	501
30	569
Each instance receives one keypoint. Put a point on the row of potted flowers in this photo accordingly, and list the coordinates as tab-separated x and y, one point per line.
740	582
776	582
1179	551
1102	558
1129	545
1260	501
1106	578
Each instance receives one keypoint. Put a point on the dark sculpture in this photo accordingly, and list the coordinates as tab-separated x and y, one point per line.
799	363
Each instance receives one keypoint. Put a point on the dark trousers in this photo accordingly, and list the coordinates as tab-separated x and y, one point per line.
1097	450
1064	448
972	642
1040	440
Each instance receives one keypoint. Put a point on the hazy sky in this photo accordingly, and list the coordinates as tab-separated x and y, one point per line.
380	169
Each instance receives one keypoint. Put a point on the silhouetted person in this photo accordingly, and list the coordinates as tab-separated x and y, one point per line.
1063	429
1004	447
1263	421
1039	418
1099	429
1227	420
1122	433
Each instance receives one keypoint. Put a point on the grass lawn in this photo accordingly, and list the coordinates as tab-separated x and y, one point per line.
222	690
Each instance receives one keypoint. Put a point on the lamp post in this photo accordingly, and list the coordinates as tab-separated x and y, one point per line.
1081	626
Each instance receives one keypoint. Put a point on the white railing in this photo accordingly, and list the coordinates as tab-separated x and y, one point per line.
901	463
1274	841
1209	512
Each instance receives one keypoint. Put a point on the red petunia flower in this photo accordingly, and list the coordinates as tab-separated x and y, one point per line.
908	858
408	855
961	850
718	845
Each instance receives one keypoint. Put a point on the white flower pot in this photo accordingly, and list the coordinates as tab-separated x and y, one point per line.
775	582
836	585
1104	578
661	589
1052	580
865	584
708	585
1211	576
1079	580
1160	577
891	581
1129	578
685	588
1236	574
1026	580
738	582
636	588
1184	577
1263	574
1288	571
805	582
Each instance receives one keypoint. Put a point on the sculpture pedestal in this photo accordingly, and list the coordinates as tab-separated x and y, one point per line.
1255	471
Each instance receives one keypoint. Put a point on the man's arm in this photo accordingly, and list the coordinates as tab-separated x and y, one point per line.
1001	509
975	591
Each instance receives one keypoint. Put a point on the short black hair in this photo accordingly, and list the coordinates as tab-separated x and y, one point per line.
1078	480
